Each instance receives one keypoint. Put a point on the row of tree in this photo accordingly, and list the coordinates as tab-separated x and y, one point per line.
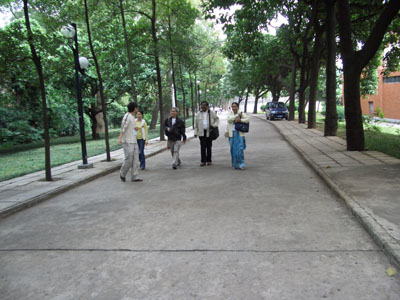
308	45
156	52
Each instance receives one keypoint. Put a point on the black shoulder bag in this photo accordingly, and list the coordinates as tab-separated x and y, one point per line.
214	131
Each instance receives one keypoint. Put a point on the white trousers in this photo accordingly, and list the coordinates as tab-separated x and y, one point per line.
131	152
175	146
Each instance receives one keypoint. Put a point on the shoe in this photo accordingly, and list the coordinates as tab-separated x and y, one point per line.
123	179
137	180
174	167
142	169
202	164
209	163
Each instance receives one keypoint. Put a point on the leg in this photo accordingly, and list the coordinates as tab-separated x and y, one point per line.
135	162
142	158
203	148
128	153
208	148
176	148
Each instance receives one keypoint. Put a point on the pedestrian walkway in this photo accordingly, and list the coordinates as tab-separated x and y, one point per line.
272	231
22	192
368	181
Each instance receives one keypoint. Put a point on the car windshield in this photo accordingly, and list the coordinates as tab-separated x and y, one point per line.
277	105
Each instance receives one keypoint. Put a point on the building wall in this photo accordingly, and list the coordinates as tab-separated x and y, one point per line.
387	98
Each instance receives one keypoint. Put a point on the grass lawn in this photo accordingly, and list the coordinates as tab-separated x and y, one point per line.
387	140
17	163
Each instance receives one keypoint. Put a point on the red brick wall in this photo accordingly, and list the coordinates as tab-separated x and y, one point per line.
387	98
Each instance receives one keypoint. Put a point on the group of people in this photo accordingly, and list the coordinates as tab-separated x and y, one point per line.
134	137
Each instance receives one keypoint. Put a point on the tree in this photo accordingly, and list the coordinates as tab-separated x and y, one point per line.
38	64
128	50
99	77
331	117
355	60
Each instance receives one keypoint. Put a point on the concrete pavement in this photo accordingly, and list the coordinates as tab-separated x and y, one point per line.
22	192
274	231
368	181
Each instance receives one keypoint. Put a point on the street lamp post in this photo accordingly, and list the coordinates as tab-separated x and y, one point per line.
81	63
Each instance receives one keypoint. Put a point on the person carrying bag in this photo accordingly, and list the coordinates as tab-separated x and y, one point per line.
238	124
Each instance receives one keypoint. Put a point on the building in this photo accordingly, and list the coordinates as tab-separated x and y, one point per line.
387	97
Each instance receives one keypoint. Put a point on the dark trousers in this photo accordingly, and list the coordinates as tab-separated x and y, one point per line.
142	158
205	147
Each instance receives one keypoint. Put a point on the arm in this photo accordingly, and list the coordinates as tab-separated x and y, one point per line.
124	126
244	118
166	127
146	131
196	128
182	131
231	118
216	120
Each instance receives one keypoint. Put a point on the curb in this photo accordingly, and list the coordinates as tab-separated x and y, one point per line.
46	196
57	191
378	234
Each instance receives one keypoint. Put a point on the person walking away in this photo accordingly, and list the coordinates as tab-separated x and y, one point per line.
174	129
237	141
127	137
142	138
204	119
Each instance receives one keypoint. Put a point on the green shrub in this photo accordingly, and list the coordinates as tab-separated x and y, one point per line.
15	127
379	112
339	111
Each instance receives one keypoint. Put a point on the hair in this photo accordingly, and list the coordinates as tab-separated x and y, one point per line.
132	106
175	108
141	111
235	104
204	101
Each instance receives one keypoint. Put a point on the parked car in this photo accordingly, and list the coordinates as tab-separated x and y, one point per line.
276	110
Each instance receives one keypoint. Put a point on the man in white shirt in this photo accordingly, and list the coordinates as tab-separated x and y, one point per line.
204	119
127	137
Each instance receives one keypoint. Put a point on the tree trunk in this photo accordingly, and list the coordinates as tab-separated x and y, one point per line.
154	116
39	69
128	50
315	67
247	98
93	127
103	101
292	93
257	95
183	90
192	98
172	59
302	104
158	69
352	110
331	117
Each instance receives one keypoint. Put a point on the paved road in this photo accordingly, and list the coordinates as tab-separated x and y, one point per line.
273	231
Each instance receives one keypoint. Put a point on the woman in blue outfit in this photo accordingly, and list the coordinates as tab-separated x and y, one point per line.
237	140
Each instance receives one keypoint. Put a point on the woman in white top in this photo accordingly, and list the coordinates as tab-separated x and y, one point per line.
237	141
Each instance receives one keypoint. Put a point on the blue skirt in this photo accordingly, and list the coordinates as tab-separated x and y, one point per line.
238	145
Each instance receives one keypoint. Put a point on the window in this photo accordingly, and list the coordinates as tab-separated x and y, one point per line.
391	79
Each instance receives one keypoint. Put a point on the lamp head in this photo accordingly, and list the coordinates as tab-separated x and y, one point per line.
83	62
68	31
